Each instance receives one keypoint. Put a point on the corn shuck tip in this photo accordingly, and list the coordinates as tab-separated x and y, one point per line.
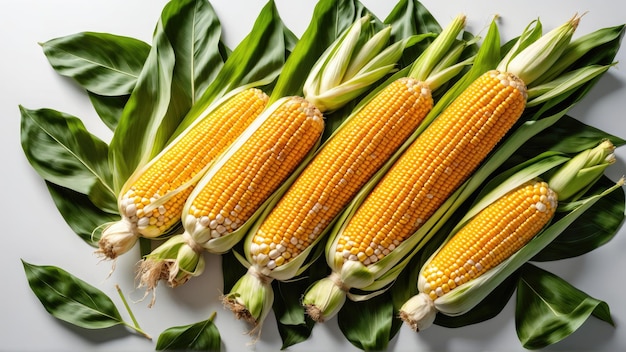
577	174
251	297
537	58
357	59
324	298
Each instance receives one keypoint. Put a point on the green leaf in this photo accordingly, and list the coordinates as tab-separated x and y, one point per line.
194	31
367	324
567	135
407	18
294	326
62	151
102	63
232	269
171	79
258	58
201	336
549	309
294	334
109	108
70	299
488	308
594	228
83	217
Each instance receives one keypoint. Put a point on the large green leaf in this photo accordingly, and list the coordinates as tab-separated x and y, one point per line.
257	60
293	326
594	228
102	63
194	32
549	309
407	18
109	108
70	299
367	325
167	85
83	217
200	336
62	151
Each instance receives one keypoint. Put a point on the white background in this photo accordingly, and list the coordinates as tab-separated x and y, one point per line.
34	231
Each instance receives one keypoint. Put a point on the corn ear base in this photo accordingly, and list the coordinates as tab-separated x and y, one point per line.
254	299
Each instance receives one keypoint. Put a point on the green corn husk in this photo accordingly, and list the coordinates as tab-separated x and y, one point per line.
569	179
348	69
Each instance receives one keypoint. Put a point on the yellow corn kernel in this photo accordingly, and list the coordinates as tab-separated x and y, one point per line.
342	167
435	164
184	160
257	168
491	237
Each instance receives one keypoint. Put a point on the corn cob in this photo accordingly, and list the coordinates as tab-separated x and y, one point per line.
339	169
241	184
151	201
365	248
492	236
433	166
488	241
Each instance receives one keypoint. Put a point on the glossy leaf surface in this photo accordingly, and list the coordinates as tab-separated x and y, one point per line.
82	216
62	151
102	63
70	299
200	336
550	309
